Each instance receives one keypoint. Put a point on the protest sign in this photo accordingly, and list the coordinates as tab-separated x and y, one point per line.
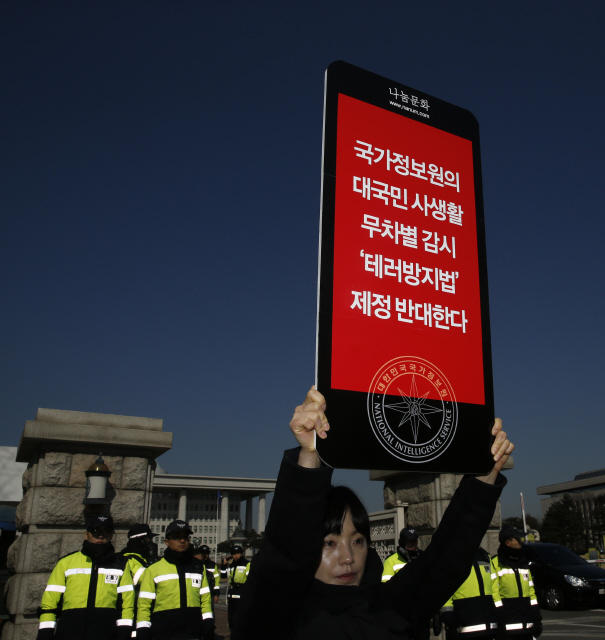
403	338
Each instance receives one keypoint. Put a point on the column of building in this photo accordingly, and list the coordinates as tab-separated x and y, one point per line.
248	513
182	505
261	512
224	523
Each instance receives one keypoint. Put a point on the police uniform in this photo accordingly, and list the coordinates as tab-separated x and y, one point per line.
237	574
472	612
139	553
398	560
174	599
211	568
89	596
521	615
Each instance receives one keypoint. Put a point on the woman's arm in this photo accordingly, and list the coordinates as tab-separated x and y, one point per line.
282	571
425	584
422	587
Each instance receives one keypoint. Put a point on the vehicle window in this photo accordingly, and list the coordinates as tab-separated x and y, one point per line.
557	556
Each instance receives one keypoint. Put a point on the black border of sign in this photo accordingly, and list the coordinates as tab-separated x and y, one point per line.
469	453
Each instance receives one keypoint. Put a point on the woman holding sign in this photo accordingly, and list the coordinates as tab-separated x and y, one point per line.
316	576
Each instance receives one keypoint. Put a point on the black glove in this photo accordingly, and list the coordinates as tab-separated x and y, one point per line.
207	626
449	619
46	634
537	630
124	632
437	624
144	633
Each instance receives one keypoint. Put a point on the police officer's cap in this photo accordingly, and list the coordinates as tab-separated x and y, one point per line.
100	521
408	533
178	526
236	548
141	531
204	550
507	532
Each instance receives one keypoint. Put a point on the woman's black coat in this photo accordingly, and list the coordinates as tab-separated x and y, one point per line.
282	599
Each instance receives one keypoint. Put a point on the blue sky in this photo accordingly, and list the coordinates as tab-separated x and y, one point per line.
160	205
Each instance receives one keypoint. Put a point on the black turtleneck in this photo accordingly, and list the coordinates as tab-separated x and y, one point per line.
99	553
512	557
356	609
407	554
179	557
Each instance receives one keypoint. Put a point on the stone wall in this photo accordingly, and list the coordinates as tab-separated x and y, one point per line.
427	496
51	516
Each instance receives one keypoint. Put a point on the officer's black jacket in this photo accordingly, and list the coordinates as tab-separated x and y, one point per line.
282	599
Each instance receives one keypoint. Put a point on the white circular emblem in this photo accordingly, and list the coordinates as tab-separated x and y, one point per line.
407	424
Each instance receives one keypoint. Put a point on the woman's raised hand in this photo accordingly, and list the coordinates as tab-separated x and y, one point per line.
501	450
309	419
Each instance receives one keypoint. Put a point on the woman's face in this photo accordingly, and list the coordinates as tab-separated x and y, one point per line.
343	556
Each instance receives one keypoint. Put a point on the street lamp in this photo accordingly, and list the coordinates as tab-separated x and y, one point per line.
97	478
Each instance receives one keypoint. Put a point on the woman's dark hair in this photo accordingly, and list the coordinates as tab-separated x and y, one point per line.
341	500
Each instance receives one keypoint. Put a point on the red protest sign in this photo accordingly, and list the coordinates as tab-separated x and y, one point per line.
403	326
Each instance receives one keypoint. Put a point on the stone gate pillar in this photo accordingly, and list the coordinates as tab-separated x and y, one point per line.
59	446
427	495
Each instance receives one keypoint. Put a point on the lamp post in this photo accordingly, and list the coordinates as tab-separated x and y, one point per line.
97	478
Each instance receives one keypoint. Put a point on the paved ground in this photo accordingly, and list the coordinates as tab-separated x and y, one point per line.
575	625
581	624
220	619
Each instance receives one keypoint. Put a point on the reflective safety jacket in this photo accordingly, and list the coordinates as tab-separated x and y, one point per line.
212	568
520	606
85	601
174	601
135	566
237	573
474	607
392	565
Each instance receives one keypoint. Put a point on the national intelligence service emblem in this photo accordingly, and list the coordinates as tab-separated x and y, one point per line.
408	425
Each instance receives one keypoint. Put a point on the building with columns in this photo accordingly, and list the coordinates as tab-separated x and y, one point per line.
584	490
211	505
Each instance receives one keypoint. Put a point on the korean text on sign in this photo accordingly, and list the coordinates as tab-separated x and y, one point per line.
432	315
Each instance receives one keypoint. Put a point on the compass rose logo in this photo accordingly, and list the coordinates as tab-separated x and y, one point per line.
412	409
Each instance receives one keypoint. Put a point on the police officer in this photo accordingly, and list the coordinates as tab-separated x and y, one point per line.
520	611
174	597
203	554
472	612
89	596
237	573
407	550
213	575
139	553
